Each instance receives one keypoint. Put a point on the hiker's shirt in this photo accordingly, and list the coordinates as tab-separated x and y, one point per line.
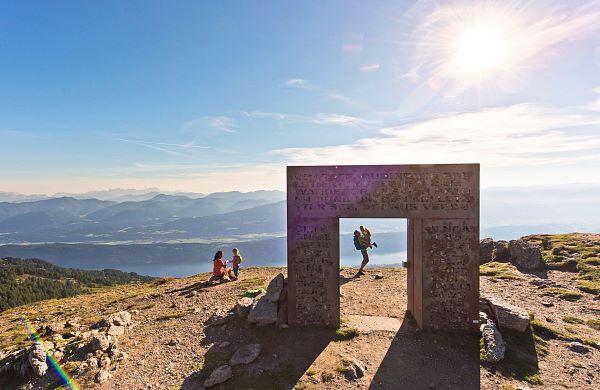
218	267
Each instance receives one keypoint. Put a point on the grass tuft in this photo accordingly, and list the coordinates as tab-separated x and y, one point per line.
497	270
573	320
562	293
346	333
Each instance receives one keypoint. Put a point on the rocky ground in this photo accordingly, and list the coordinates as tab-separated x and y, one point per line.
180	334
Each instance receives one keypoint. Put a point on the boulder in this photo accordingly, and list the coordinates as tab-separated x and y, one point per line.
282	310
219	375
275	288
245	355
507	315
525	256
243	307
115	330
578	347
494	345
486	248
263	311
501	251
102	376
37	359
99	343
122	318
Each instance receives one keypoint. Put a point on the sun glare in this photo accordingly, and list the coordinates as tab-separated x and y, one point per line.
480	48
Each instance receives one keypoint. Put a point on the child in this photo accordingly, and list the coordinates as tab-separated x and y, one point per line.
236	260
367	234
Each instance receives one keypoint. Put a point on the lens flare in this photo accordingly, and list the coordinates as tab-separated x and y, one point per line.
35	337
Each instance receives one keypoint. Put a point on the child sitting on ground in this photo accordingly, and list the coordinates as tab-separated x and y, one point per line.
236	260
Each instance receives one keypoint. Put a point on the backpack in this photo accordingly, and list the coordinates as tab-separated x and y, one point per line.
357	243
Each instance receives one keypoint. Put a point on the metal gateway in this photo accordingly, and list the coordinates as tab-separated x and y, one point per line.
441	203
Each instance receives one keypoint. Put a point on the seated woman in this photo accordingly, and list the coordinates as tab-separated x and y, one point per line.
220	269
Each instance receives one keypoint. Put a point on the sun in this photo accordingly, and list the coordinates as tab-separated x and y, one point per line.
480	48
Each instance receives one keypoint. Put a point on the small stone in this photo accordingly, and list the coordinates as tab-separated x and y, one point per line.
219	375
350	373
92	363
284	326
102	376
104	361
547	304
379	276
245	355
173	342
224	344
197	310
578	347
218	319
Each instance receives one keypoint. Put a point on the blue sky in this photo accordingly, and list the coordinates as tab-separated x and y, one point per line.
212	96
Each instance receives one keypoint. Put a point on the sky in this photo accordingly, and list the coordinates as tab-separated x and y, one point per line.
219	96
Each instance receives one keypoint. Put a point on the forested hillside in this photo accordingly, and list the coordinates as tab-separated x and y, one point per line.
25	281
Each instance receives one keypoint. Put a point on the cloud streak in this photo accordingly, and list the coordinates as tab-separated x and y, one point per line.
502	136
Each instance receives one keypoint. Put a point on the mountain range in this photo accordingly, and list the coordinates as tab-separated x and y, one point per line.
167	230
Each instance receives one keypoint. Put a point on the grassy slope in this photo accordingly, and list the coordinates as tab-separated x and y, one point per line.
572	252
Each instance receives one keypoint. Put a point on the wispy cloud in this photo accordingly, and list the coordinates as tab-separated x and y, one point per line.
370	68
296	83
503	136
338	119
188	150
222	123
331	94
265	115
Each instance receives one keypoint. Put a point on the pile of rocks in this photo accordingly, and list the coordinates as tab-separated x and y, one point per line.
244	355
495	314
267	308
522	254
98	346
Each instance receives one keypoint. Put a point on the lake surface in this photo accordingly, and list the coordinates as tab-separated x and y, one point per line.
187	269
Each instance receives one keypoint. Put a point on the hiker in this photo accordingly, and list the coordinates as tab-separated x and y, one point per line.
236	260
361	244
219	267
367	234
